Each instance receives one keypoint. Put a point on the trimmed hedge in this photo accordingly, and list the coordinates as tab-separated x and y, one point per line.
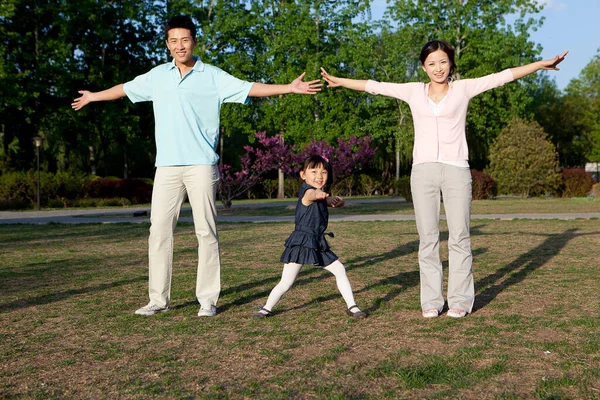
18	190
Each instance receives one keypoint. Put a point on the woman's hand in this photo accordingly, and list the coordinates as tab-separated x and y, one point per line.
553	62
331	80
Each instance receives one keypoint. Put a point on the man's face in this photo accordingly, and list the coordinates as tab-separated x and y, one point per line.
181	45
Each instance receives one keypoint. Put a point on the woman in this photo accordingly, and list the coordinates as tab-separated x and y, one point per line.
440	165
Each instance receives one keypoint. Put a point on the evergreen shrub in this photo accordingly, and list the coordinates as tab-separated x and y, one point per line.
523	161
403	188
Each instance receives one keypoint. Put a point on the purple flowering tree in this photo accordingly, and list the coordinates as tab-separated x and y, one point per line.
347	157
269	154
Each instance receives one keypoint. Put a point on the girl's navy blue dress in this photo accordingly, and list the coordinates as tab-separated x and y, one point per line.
307	244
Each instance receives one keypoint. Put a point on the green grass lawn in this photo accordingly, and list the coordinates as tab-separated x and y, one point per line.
67	328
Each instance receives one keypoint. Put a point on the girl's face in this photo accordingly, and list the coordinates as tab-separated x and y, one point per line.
315	177
437	66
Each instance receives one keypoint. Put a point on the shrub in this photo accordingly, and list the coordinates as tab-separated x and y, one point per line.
523	161
100	188
483	185
137	191
270	186
18	190
343	186
402	185
291	187
575	182
113	202
15	189
367	184
596	190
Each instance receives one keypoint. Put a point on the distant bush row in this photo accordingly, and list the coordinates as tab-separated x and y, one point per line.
574	182
18	190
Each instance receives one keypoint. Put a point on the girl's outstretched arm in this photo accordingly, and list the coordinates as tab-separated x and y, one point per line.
115	92
336	202
549	64
313	195
353	84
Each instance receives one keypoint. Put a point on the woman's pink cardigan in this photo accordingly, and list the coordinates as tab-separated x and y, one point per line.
443	136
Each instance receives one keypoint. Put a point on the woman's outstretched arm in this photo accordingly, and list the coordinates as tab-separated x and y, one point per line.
353	84
549	64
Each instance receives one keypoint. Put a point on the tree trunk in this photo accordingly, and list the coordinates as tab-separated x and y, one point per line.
92	161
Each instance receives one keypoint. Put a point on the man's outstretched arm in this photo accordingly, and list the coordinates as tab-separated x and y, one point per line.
297	86
115	92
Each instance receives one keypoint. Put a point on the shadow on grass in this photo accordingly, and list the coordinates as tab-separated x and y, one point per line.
58	296
521	267
309	274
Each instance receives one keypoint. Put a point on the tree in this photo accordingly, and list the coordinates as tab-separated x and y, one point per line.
53	48
558	116
583	102
523	161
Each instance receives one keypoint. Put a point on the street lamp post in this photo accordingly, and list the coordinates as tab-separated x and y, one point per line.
38	142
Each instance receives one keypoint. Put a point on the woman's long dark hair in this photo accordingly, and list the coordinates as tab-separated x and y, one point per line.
316	161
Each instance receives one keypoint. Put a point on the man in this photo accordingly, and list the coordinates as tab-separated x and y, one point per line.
187	96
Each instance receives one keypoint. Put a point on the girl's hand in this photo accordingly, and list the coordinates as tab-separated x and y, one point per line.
320	195
331	80
553	62
337	202
312	195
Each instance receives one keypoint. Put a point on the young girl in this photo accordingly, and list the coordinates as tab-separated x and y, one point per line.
440	165
307	244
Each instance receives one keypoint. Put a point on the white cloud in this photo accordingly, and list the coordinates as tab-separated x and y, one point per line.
552	4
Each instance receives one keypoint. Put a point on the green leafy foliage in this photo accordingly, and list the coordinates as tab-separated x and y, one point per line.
53	48
402	186
523	161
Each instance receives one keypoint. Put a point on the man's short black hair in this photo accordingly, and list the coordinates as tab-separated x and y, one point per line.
181	21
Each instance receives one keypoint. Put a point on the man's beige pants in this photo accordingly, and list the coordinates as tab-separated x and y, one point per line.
171	184
427	181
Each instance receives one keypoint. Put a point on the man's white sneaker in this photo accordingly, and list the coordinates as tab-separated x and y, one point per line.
207	312
151	309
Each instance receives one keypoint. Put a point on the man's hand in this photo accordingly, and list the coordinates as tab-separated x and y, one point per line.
300	87
82	101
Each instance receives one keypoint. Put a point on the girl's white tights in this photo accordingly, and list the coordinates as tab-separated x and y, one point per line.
290	272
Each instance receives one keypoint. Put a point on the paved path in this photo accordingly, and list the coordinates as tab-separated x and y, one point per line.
141	214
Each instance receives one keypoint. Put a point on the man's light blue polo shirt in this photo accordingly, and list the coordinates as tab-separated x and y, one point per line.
187	110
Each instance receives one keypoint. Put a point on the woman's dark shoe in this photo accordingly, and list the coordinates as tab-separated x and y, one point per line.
358	314
264	313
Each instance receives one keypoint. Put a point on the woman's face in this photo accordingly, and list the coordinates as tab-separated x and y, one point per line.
437	66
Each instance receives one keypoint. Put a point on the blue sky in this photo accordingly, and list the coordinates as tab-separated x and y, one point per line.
571	25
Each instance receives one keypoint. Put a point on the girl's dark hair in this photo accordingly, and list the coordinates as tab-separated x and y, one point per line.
315	161
181	21
436	45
